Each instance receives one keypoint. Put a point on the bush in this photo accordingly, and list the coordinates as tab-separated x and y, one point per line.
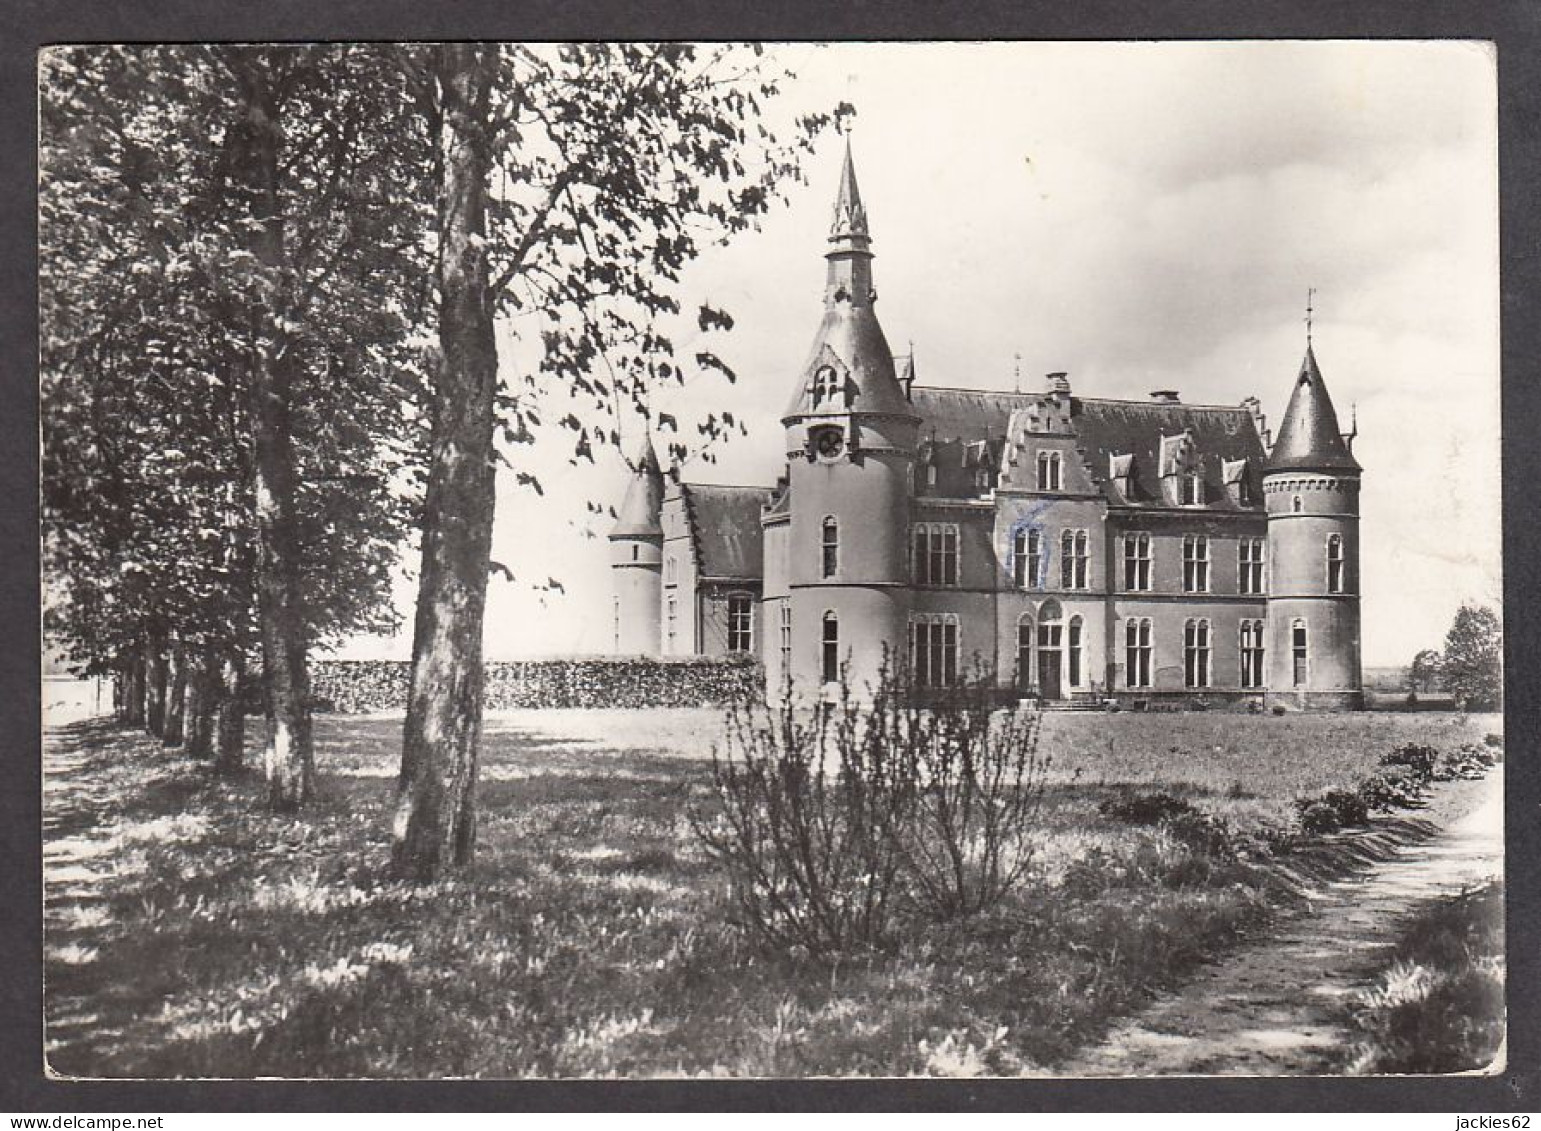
1496	741
1391	787
1202	833
837	824
1349	806
1278	709
1317	817
1145	808
1421	760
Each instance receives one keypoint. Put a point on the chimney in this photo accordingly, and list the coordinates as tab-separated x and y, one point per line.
1164	396
1059	382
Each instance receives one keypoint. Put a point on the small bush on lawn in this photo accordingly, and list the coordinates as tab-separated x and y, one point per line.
836	826
1145	808
1421	760
1496	741
1349	806
1317	817
1203	834
1391	787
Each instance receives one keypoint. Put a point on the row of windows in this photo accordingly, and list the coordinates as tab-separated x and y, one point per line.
936	642
935	551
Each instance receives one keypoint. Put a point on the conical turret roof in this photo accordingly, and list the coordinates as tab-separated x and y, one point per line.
1310	439
642	511
849	340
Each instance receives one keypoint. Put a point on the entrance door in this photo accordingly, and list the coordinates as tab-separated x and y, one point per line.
1048	660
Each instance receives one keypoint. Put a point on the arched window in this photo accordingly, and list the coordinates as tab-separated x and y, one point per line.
1196	653
1024	651
829	665
1252	654
1072	559
1027	558
1137	561
785	627
826	384
830	548
1051	641
1335	582
934	648
1073	652
1298	655
1137	652
740	622
1249	566
934	560
1295	504
1195	563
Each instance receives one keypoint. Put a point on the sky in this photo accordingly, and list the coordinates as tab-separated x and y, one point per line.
1142	216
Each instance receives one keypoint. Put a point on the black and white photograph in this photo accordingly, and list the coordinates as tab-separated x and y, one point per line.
767	560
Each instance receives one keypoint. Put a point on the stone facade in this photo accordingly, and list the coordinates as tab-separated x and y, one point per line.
1058	546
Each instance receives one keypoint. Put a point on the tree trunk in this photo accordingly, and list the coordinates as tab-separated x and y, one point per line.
226	681
202	670
436	811
288	760
133	691
176	696
155	689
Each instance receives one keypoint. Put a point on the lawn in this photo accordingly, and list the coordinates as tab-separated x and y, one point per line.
190	933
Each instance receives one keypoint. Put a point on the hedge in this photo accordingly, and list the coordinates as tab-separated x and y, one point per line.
354	686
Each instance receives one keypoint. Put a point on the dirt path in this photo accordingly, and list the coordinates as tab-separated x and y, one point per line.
1278	1007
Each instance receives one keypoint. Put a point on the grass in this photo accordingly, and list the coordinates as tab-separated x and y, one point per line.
1438	1007
198	935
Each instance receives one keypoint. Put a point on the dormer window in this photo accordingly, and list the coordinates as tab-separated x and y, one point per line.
1049	471
931	475
826	386
1192	489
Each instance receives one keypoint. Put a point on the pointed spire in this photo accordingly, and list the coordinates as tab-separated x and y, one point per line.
641	513
850	221
1309	438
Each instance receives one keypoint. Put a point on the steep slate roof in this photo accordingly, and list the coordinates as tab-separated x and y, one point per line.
642	511
1309	438
965	414
1106	427
725	523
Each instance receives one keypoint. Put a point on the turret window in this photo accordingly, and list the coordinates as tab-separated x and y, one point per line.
830	547
829	658
671	623
935	554
1335	567
1196	653
785	628
1249	566
1137	652
1298	651
1252	654
1049	471
1295	504
740	623
1027	558
1137	561
1195	563
934	649
1072	559
826	385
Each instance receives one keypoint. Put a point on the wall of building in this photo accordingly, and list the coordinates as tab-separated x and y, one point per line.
637	574
712	607
679	579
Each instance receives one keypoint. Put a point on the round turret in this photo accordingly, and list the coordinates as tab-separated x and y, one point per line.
1311	497
636	559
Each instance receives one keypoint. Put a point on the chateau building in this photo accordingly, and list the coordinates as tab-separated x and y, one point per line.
1063	547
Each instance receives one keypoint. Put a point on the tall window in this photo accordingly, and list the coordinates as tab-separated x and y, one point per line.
1195	563
1249	565
1252	653
740	623
1196	653
671	622
935	559
934	649
1334	563
785	627
1072	559
1073	652
1024	651
830	559
1295	504
829	660
1027	558
671	570
1137	562
1192	489
1298	651
1048	471
931	475
1137	651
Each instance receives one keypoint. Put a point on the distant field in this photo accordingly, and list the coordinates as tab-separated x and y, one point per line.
592	936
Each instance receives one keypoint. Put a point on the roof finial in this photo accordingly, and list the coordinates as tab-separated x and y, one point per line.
1016	372
850	221
1310	294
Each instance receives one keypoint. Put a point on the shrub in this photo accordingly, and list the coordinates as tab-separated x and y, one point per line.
1202	833
1317	817
1145	808
1349	806
1391	787
1278	709
1496	741
1419	759
835	824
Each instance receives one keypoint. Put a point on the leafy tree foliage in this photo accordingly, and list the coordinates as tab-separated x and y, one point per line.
575	182
1423	674
173	278
1473	659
